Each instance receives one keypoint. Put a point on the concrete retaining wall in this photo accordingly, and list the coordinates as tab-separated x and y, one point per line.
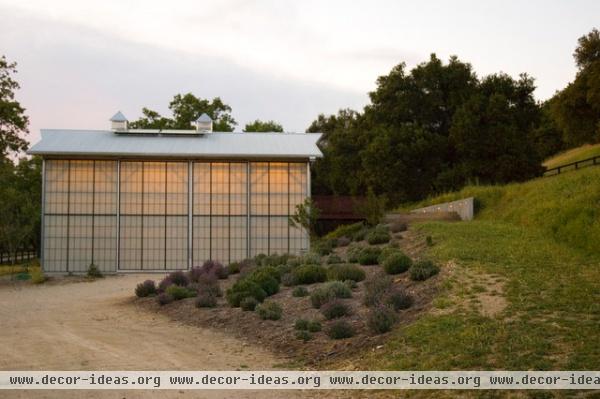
465	208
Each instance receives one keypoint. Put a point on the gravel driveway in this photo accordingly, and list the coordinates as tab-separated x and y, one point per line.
94	326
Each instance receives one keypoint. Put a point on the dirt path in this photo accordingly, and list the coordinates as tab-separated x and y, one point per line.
93	326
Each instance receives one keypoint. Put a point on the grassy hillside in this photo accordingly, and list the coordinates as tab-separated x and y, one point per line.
573	155
565	208
523	283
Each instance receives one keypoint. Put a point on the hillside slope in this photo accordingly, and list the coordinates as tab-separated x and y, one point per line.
573	155
523	285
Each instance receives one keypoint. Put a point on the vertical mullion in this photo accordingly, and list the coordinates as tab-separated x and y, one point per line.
68	209
268	208
210	233
190	218
43	217
93	204
287	209
142	220
248	219
118	246
165	211
229	213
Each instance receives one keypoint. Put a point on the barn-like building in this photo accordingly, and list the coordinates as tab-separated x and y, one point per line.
131	200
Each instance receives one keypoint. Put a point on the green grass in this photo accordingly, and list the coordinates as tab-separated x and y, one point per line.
565	208
541	239
551	320
575	154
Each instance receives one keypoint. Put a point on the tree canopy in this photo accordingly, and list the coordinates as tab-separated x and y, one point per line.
428	130
260	126
186	109
13	121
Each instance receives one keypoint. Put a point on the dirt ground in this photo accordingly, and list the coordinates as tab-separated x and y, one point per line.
93	326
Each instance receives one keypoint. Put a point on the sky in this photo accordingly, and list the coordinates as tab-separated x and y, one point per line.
81	61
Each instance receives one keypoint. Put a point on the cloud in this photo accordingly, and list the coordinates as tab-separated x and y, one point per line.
74	77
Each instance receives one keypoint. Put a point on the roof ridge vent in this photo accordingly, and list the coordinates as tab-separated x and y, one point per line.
204	124
119	122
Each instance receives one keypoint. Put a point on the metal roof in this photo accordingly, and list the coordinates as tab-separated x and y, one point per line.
118	117
215	145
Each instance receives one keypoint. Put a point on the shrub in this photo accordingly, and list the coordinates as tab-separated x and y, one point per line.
340	329
375	289
267	279
215	268
346	272
164	284
274	260
311	258
309	274
422	270
345	230
378	236
353	253
381	319
234	268
178	292
329	291
429	241
335	309
369	256
398	227
398	299
94	272
333	259
314	326
360	234
300	292
37	275
207	283
386	252
248	304
301	324
288	279
206	300
242	289
178	278
294	262
324	246
145	289
350	284
303	335
164	299
343	241
269	311
397	263
259	258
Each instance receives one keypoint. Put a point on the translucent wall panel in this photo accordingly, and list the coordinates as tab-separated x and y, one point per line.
57	186
105	187
77	193
298	191
201	240
220	211
176	243
298	240
55	243
278	234
259	235
259	188
80	243
131	187
153	243
237	238
105	243
177	188
130	243
278	189
154	187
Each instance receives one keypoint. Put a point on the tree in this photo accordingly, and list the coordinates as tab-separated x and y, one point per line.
13	121
19	209
260	126
576	109
491	132
186	109
305	216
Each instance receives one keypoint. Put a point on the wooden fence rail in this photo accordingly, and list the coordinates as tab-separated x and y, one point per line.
19	256
573	165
